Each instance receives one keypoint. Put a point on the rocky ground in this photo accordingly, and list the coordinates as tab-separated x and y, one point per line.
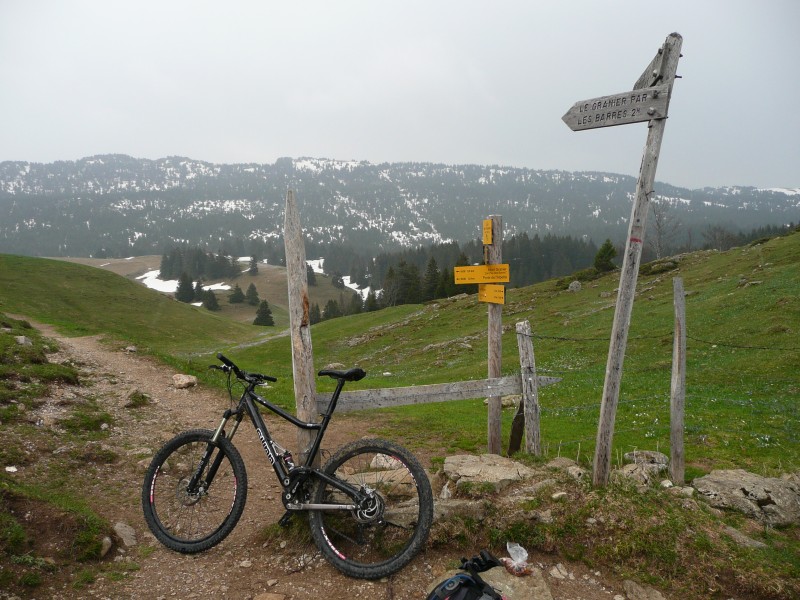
244	565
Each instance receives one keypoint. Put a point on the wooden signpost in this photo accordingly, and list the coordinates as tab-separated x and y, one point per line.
488	276
656	84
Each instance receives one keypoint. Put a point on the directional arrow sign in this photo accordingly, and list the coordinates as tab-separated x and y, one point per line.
620	109
491	292
482	274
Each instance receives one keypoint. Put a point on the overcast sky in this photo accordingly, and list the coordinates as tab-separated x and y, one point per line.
441	81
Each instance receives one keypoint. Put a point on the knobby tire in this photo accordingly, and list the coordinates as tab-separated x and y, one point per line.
186	520
373	544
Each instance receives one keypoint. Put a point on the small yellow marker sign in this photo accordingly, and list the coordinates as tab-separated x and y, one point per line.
487	232
481	274
489	292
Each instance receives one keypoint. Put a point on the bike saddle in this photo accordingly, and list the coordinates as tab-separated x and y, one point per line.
354	374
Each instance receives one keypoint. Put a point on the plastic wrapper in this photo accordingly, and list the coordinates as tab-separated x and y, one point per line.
517	564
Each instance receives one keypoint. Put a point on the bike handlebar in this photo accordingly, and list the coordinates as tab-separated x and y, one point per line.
242	374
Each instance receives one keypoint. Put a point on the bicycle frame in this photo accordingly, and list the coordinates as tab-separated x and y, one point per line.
290	480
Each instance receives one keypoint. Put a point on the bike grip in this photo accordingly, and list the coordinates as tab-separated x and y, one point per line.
265	377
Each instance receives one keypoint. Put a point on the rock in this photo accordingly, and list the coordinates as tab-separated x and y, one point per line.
542	516
575	286
666	484
269	596
769	500
446	494
182	382
530	587
383	462
605	294
576	472
105	546
334	367
646	457
23	340
742	539
560	572
126	533
561	462
634	591
559	496
131	349
644	473
246	564
486	468
506	401
463	508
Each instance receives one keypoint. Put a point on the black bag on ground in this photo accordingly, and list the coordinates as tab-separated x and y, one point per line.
469	585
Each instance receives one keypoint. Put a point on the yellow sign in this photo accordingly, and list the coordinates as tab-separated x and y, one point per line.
481	274
487	232
489	292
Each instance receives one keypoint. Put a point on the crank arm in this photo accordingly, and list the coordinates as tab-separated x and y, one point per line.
323	507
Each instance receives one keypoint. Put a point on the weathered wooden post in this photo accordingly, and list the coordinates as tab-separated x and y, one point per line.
299	324
678	385
528	411
493	255
647	102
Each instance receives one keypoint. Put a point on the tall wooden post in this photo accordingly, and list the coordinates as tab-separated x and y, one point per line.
678	385
630	270
493	255
299	324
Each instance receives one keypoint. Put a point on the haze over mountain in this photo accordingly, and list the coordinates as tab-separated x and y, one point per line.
117	205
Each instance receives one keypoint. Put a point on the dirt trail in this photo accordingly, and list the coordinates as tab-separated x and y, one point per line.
242	566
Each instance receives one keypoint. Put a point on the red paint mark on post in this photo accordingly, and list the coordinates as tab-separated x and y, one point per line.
635	240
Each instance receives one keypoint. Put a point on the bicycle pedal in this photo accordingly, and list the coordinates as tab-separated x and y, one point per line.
286	518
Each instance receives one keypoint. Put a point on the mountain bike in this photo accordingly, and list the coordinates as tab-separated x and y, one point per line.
370	507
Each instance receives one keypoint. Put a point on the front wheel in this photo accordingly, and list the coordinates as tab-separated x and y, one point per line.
384	533
194	491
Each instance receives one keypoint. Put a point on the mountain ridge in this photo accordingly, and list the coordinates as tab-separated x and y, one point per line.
120	205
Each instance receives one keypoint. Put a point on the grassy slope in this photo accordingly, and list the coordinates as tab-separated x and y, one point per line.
743	314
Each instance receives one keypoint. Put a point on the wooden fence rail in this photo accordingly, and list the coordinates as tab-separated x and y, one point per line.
424	394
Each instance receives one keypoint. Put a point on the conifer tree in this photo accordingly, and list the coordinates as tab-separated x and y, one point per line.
371	303
199	292
310	275
431	280
604	257
185	291
332	310
210	300
264	315
253	270
314	314
252	295
236	296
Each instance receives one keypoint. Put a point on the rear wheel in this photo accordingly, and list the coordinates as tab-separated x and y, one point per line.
194	518
384	533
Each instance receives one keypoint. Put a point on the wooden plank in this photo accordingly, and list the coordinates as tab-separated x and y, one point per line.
628	275
495	273
678	385
305	392
652	74
619	109
493	256
426	394
489	292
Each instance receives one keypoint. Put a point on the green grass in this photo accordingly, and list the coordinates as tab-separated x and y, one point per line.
743	315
